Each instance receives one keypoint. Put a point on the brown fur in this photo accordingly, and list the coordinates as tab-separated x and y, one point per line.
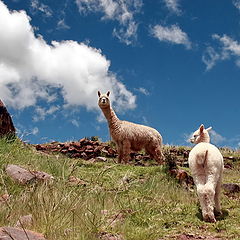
129	136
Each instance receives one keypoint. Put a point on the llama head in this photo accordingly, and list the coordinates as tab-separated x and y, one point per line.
103	100
201	135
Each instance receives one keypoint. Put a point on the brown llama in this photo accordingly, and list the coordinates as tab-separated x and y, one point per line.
129	136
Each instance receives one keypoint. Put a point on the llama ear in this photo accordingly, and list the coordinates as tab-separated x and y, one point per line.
99	94
209	129
108	93
201	128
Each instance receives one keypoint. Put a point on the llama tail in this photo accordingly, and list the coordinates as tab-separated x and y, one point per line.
202	160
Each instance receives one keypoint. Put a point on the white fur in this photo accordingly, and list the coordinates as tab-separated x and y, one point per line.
206	165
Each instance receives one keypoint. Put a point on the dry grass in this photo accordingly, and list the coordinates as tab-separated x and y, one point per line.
137	202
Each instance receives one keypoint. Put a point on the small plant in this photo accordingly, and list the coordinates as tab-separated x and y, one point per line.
95	138
135	202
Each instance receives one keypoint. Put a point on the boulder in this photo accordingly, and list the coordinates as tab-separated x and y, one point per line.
7	128
11	233
231	187
23	176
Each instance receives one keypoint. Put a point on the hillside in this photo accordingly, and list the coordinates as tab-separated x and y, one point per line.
99	199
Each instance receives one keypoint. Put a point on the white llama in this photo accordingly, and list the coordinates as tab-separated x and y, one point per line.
206	165
129	136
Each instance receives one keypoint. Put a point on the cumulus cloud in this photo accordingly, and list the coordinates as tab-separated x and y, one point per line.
32	70
171	34
121	11
173	6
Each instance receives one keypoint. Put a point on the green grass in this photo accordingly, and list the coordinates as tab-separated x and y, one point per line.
152	206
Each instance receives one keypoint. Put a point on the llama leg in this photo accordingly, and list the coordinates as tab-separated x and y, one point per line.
206	197
126	151
202	200
155	153
159	155
149	152
217	198
120	152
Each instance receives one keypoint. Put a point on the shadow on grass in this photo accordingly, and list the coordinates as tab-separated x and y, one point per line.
220	217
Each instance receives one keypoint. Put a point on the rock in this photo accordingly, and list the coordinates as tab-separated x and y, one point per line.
100	159
18	174
4	198
7	128
25	221
76	181
113	219
109	236
11	233
42	175
228	166
23	176
194	237
231	187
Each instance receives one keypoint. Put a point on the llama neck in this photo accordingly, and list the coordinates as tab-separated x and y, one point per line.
204	138
110	116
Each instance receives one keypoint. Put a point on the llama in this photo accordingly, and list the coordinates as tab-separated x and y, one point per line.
129	136
206	165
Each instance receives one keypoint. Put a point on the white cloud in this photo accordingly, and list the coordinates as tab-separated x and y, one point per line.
101	118
171	34
187	137
122	11
127	34
35	131
75	123
216	138
143	91
236	3
23	132
41	112
173	6
228	44
62	24
227	48
210	57
40	7
32	70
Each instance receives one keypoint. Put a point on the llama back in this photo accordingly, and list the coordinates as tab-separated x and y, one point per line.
137	131
206	154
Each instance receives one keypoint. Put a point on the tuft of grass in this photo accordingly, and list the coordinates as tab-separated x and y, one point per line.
137	202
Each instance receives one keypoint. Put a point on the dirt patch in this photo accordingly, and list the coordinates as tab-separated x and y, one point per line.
193	237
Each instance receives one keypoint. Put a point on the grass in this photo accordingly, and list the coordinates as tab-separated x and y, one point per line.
137	202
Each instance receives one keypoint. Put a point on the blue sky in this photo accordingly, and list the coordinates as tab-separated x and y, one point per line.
169	64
